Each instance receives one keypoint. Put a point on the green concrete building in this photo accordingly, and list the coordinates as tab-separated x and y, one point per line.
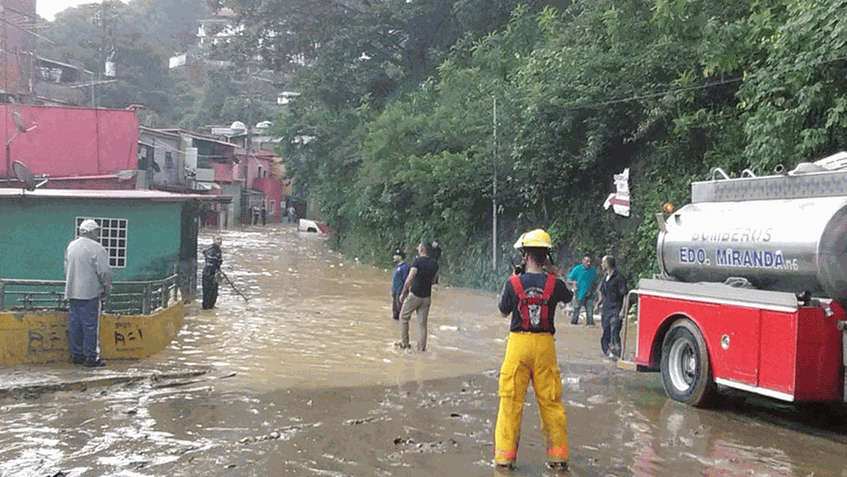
149	235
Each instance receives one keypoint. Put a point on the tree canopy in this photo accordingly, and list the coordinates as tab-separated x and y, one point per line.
582	90
417	118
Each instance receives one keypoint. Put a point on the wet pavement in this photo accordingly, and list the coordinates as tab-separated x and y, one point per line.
304	380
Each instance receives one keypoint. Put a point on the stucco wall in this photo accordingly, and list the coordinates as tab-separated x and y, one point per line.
35	233
71	141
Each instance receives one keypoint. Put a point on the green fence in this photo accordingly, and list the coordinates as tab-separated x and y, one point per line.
127	298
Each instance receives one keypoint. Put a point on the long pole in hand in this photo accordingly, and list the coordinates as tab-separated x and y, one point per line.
233	286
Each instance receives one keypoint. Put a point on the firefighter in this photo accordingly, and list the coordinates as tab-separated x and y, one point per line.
530	296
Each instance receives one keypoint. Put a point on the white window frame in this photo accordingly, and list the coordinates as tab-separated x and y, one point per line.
113	237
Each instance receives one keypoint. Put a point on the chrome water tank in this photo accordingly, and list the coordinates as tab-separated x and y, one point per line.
783	233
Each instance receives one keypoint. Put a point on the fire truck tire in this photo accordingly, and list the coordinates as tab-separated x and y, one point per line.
686	371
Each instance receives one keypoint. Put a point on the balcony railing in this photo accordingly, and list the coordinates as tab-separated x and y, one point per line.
127	298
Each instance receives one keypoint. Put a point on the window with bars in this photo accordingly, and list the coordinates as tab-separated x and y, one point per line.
112	238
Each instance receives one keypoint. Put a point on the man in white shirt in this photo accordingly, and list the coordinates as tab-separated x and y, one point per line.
88	280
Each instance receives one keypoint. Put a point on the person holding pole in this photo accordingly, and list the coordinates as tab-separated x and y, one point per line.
214	258
88	281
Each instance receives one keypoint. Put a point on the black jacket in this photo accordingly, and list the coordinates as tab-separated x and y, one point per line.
613	291
213	257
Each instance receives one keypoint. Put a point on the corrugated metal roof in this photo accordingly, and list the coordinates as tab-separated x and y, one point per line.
136	194
158	132
194	135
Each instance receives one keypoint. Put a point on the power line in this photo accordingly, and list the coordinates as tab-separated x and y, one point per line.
709	85
663	93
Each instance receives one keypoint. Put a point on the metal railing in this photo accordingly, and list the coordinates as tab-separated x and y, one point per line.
127	298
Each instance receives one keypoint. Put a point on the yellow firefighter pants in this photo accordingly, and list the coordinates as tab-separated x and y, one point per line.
530	357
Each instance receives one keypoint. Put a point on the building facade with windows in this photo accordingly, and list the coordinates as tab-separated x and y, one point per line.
161	160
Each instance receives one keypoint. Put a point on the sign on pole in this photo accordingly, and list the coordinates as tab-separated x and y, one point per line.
620	200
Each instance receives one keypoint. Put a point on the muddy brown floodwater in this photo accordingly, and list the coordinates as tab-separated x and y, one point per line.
304	380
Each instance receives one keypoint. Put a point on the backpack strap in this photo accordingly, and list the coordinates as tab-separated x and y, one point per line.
523	303
549	287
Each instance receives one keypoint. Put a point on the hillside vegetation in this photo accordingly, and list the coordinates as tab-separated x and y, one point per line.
416	116
399	104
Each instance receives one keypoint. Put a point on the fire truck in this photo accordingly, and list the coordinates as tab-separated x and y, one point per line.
752	290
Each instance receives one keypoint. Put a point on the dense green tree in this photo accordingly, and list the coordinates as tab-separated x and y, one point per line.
669	89
796	97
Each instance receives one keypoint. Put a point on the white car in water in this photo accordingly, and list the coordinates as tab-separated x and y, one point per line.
306	225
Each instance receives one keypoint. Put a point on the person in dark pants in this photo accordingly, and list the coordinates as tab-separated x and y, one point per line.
581	278
214	258
401	272
264	213
612	293
436	255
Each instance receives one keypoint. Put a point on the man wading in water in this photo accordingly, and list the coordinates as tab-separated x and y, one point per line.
419	283
214	258
531	296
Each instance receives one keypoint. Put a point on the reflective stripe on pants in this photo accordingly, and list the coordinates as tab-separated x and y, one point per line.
530	357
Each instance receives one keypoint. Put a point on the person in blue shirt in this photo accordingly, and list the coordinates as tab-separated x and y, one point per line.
582	278
401	271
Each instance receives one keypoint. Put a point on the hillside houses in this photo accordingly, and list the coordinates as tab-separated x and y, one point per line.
106	149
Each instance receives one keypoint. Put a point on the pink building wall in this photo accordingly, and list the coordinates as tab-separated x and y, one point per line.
258	168
224	172
71	141
273	197
255	164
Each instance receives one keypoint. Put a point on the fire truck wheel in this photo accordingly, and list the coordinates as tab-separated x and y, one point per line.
686	372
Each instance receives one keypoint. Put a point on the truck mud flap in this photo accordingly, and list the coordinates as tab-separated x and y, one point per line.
842	325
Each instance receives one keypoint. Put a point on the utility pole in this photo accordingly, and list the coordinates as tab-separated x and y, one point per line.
494	196
5	49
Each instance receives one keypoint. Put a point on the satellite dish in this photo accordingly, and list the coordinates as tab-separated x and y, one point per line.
26	177
19	121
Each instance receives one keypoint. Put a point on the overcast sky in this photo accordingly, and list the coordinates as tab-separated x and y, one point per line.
49	8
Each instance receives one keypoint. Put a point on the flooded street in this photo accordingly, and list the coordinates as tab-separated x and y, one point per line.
315	319
304	380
